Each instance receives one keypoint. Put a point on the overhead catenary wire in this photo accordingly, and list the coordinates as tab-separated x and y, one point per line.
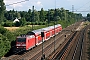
84	10
83	5
87	9
17	2
77	10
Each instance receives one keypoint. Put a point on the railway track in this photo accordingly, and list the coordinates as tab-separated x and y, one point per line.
36	53
72	49
85	45
59	52
78	54
77	51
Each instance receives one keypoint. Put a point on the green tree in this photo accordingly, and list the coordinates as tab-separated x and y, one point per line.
10	15
22	21
62	15
51	14
22	14
88	17
2	10
28	16
18	15
42	16
36	16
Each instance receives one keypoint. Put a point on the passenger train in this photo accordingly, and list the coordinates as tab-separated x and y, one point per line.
33	38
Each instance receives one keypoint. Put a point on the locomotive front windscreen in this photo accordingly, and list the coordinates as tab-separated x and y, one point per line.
21	39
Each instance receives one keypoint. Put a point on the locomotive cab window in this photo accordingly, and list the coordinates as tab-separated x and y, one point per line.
32	36
21	39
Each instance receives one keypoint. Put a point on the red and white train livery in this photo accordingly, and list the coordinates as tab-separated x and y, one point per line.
33	38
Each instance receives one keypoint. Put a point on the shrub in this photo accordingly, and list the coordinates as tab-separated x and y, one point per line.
39	23
43	23
22	22
17	24
36	23
28	23
3	30
8	24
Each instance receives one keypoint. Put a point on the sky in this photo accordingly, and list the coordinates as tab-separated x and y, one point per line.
79	5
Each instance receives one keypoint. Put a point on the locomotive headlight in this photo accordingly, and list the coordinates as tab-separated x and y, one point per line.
17	47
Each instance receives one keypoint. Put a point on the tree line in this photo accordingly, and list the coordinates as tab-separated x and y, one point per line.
36	17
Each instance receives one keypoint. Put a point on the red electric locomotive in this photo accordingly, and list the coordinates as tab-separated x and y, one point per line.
33	38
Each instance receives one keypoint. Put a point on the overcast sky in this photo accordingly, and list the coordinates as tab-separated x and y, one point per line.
79	5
